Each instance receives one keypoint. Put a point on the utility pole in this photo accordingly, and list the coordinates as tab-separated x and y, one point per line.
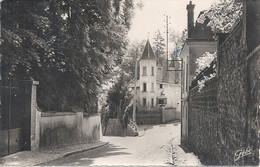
167	32
134	103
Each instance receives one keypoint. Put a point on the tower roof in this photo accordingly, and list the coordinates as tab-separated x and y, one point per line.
148	51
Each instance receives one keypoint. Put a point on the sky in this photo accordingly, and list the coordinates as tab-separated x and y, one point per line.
152	17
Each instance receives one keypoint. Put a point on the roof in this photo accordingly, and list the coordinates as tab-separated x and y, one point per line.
148	51
202	31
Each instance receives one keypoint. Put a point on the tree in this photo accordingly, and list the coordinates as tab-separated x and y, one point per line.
139	4
69	46
222	16
118	98
133	53
126	68
159	46
177	40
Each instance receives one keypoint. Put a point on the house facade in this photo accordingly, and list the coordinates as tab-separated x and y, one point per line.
200	40
155	86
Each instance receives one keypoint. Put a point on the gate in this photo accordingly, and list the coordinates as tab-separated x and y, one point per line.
14	117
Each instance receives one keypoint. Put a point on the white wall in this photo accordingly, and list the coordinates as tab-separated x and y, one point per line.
149	94
172	93
65	128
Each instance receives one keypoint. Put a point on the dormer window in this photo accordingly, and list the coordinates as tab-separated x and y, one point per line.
144	71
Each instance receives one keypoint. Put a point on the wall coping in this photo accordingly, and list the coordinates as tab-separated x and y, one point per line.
35	82
170	107
206	83
253	52
55	114
91	115
31	82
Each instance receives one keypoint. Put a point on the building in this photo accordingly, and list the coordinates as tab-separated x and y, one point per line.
155	85
200	40
222	117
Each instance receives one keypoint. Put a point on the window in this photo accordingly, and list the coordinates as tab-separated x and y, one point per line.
186	113
187	78
182	79
152	87
144	71
144	101
144	87
152	102
161	86
160	101
152	72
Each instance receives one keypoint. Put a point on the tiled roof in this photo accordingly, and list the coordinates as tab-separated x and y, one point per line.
202	31
148	52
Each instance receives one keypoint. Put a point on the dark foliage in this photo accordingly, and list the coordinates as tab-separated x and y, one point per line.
69	46
119	98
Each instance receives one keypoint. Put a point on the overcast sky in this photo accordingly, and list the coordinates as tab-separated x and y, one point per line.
151	17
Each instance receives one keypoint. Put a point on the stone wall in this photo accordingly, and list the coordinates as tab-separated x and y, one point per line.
232	95
253	108
204	121
223	116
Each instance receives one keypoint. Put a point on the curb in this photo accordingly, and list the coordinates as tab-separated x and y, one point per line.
73	152
80	151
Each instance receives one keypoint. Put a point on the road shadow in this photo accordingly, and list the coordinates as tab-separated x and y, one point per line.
151	126
145	127
162	125
2	162
185	149
87	158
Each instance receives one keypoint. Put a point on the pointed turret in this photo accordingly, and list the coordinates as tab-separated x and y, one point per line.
148	51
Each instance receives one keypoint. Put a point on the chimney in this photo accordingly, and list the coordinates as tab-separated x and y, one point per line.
190	8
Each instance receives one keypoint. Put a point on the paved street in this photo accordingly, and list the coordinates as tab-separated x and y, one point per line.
151	147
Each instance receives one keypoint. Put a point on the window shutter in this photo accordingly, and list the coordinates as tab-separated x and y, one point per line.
165	101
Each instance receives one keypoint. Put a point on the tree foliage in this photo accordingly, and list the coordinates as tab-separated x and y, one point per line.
119	98
205	61
222	16
69	46
159	46
133	54
177	40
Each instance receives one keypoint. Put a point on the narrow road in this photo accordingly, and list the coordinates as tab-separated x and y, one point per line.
151	147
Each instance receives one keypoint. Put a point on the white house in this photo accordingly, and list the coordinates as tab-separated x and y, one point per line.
156	85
